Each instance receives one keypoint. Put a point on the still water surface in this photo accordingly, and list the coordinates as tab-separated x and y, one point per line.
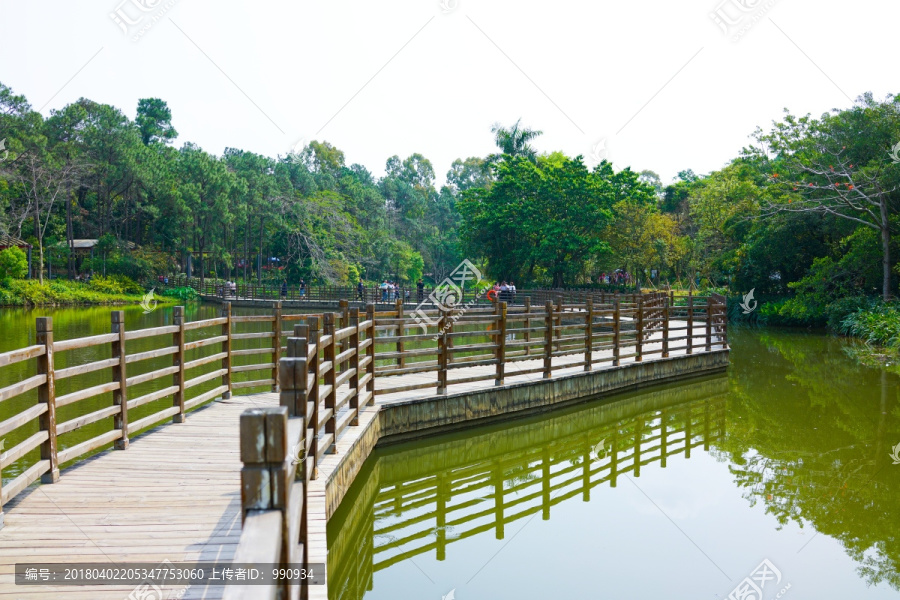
790	462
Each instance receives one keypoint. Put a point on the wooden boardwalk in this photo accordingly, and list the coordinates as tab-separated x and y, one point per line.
174	495
179	492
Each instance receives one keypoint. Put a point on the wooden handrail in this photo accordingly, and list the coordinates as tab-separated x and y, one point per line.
605	328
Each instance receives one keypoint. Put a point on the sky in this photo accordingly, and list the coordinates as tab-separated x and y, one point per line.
648	84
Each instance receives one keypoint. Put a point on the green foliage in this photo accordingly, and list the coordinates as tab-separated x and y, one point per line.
792	312
22	292
182	293
13	263
116	285
878	324
545	220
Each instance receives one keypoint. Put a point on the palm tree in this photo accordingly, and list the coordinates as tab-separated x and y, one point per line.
514	140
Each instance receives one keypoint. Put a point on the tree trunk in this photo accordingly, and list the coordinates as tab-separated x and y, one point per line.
41	261
69	236
885	252
259	266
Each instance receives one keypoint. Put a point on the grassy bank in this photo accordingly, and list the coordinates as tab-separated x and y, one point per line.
58	292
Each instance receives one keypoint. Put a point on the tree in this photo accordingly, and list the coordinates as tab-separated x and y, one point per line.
514	141
641	237
13	263
652	179
154	119
45	178
469	173
839	166
545	220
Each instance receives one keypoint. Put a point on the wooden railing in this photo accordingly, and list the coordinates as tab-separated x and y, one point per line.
187	364
322	356
374	294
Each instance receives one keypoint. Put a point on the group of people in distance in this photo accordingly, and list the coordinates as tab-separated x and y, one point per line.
390	291
617	277
504	292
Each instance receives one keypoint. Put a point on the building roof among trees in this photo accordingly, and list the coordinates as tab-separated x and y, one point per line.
87	244
8	241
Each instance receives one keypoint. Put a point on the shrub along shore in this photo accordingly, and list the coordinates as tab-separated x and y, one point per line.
60	292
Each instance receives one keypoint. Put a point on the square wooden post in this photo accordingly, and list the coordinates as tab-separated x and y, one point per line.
501	343
370	353
328	357
47	395
548	340
354	365
442	354
266	472
665	340
709	317
588	332
401	359
345	322
226	348
527	325
178	361
313	395
558	330
120	396
639	331
616	331
690	323
276	344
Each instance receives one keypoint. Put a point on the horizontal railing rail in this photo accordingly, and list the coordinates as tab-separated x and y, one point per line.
335	359
328	367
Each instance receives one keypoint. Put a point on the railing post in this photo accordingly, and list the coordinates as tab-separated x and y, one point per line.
616	330
558	330
442	354
588	332
276	345
501	343
370	353
527	325
548	340
354	365
178	361
723	329
226	348
313	396
665	340
331	423
690	323
120	396
47	395
345	322
265	474
709	316
401	360
639	331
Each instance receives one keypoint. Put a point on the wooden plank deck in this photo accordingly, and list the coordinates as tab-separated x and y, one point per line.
175	493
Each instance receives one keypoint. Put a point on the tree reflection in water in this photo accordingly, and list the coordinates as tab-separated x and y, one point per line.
805	431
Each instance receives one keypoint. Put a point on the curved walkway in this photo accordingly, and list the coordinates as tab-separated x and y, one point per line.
175	494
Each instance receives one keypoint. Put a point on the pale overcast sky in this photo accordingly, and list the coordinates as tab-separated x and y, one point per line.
659	80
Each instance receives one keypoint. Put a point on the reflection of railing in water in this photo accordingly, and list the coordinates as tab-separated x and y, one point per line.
513	473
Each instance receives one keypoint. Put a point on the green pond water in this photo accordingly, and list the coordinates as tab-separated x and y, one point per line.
789	462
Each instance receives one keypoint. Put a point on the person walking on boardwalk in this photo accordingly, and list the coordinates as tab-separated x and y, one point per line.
420	291
360	291
284	289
